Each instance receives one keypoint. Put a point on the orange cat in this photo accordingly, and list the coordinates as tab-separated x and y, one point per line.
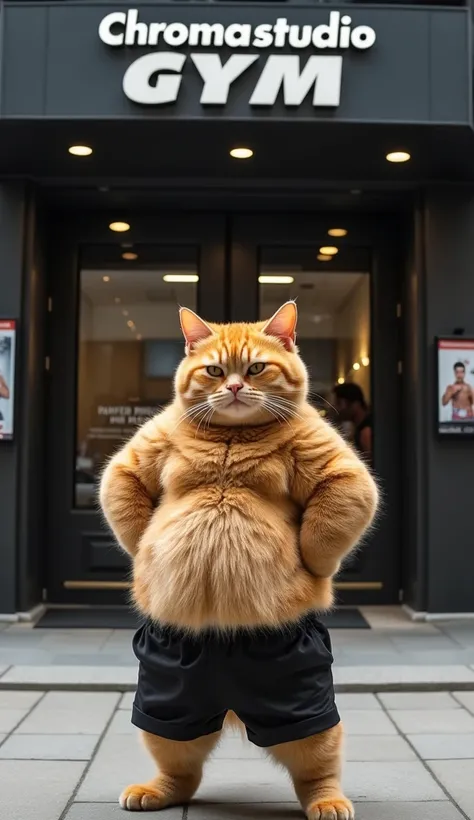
238	504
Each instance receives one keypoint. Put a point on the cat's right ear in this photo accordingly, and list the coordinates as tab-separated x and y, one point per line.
194	329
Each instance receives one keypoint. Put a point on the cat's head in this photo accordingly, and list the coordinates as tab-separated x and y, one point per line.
241	373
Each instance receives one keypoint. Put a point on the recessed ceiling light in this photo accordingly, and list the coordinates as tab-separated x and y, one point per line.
117	300
365	361
106	278
341	380
324	257
139	337
337	232
398	156
129	256
328	250
119	227
124	312
241	153
80	150
181	277
130	323
356	366
276	280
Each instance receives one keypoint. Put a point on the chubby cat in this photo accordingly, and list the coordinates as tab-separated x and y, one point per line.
238	504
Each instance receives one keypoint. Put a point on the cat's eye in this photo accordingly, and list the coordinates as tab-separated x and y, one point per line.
215	371
256	368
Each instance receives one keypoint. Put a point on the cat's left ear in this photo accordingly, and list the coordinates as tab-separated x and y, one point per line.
194	328
283	325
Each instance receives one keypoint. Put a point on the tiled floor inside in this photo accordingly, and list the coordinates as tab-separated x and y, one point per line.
67	755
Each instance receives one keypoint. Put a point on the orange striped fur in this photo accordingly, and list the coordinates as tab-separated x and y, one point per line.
238	504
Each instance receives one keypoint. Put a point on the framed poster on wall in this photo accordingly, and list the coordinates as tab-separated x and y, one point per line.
455	363
7	378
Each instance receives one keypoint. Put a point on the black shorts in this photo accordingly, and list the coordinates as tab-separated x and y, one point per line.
278	682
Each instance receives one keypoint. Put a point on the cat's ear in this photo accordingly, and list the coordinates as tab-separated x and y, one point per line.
194	329
283	325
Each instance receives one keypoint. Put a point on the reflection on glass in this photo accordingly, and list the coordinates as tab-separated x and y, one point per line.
129	346
333	332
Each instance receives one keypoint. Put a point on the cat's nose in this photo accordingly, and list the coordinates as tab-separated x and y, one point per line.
235	387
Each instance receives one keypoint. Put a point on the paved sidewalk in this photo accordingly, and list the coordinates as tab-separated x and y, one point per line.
396	653
67	755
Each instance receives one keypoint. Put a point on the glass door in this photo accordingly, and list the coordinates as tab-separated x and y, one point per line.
346	291
115	344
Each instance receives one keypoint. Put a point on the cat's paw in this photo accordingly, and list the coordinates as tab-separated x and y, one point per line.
338	809
142	798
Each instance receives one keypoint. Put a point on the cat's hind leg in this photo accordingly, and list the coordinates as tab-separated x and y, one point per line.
180	765
315	767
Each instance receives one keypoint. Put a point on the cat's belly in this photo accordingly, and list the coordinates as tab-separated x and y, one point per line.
224	558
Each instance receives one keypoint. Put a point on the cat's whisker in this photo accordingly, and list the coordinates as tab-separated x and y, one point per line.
315	395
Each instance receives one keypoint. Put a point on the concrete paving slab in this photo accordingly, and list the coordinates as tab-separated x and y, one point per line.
49	747
249	781
103	678
395	678
38	789
291	811
433	721
385	782
357	700
19	700
407	811
418	700
367	747
112	811
457	776
233	747
443	747
120	761
367	722
10	718
466	699
83	713
121	724
127	701
245	811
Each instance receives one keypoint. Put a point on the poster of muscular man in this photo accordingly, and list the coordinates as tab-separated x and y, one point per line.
7	377
456	386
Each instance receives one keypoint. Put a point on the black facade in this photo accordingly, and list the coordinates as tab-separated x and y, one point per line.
162	93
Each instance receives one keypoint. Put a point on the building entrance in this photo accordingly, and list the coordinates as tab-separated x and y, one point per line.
115	342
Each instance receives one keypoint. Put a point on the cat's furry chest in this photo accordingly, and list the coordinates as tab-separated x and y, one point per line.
226	465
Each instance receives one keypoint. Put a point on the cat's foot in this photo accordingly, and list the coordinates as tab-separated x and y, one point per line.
143	798
337	809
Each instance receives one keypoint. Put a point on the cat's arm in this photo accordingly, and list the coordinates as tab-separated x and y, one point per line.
337	494
130	485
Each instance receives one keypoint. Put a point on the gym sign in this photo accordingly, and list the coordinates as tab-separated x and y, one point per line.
155	78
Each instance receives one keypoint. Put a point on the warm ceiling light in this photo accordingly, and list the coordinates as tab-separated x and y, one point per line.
117	300
124	312
139	337
181	277
241	153
129	256
341	380
130	323
276	280
329	250
398	156
356	366
324	257
337	232
119	227
365	361
106	278
80	150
